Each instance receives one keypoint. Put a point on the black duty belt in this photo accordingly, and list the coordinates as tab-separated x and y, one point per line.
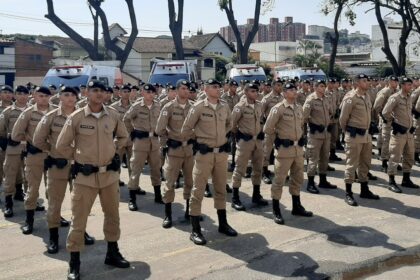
142	134
313	128
416	114
31	149
249	137
3	143
355	131
278	142
397	128
60	163
174	144
12	143
88	169
204	149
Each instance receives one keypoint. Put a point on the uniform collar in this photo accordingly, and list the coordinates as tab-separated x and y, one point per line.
178	104
207	103
15	107
35	108
249	104
144	104
287	104
89	112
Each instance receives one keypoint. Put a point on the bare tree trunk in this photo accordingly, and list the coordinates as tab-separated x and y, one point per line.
334	40
95	29
175	25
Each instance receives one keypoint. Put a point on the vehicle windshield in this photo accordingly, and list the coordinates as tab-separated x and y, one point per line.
69	80
163	79
250	78
315	77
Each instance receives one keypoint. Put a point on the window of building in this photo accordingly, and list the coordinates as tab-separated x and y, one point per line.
1	50
208	62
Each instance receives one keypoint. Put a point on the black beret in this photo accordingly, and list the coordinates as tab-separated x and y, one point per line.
43	90
182	83
6	88
212	82
306	82
278	80
233	83
156	85
96	84
125	87
23	89
393	78
251	86
192	89
171	87
52	87
245	81
289	86
149	87
319	82
82	86
109	89
405	80
132	87
415	78
69	89
257	82
116	87
268	82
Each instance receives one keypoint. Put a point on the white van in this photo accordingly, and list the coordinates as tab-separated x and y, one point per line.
303	73
80	75
164	72
239	72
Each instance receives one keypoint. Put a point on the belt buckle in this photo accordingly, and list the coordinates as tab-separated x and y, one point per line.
254	137
184	143
102	169
216	150
151	134
295	143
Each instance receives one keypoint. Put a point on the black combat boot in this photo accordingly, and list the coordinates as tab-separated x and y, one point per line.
53	245
74	269
29	223
162	176
196	235
167	222
224	227
384	166
158	195
64	222
266	175
417	159
323	183
236	202
228	189
366	193
140	191
278	218
298	209
39	207
114	257
8	209
89	240
407	183
132	205
339	146
392	185
333	156
207	192
311	187
349	199
248	173
257	197
187	210
19	194
372	177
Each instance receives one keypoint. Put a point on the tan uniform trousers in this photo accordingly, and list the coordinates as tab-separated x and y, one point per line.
214	164
318	155
281	170
2	158
417	136
34	169
137	161
401	145
12	173
172	167
57	185
358	157
245	151
386	136
379	138
334	136
268	149
127	151
82	199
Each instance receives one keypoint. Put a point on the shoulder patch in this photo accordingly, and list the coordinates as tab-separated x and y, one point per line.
68	121
44	120
274	110
165	113
348	101
237	110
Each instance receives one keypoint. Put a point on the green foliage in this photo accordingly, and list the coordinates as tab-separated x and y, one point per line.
384	71
339	72
267	70
220	68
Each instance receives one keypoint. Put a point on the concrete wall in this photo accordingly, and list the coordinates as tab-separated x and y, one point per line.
217	46
275	51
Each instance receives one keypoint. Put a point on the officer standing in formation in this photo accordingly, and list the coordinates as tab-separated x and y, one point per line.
355	120
91	137
285	125
247	129
415	96
209	120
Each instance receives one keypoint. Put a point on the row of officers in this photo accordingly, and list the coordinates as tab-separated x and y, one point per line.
195	133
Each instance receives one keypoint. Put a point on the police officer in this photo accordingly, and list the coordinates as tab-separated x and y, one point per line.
397	111
6	96
285	125
415	96
34	165
209	121
332	95
317	113
385	127
140	121
13	162
355	120
268	102
247	128
180	148
88	138
55	98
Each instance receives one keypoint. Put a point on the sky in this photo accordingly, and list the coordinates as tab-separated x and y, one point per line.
27	16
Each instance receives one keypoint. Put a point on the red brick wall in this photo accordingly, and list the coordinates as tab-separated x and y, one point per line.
32	60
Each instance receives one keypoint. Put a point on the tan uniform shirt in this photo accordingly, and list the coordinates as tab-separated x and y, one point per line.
318	111
82	103
90	140
285	121
398	109
415	96
269	101
356	112
55	99
301	97
381	99
208	125
140	117
8	119
247	118
231	100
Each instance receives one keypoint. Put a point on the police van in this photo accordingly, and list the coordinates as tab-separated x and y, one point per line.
164	72
250	72
303	73
80	75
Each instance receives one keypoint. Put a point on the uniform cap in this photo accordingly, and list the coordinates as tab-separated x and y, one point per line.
6	88
116	87
96	84
306	82
268	82
69	89
132	87
393	78
405	80
319	82
233	83
43	90
149	87
289	86
257	82
212	82
109	89
192	89
82	86
278	80
52	87
23	89
361	76
251	86
182	82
